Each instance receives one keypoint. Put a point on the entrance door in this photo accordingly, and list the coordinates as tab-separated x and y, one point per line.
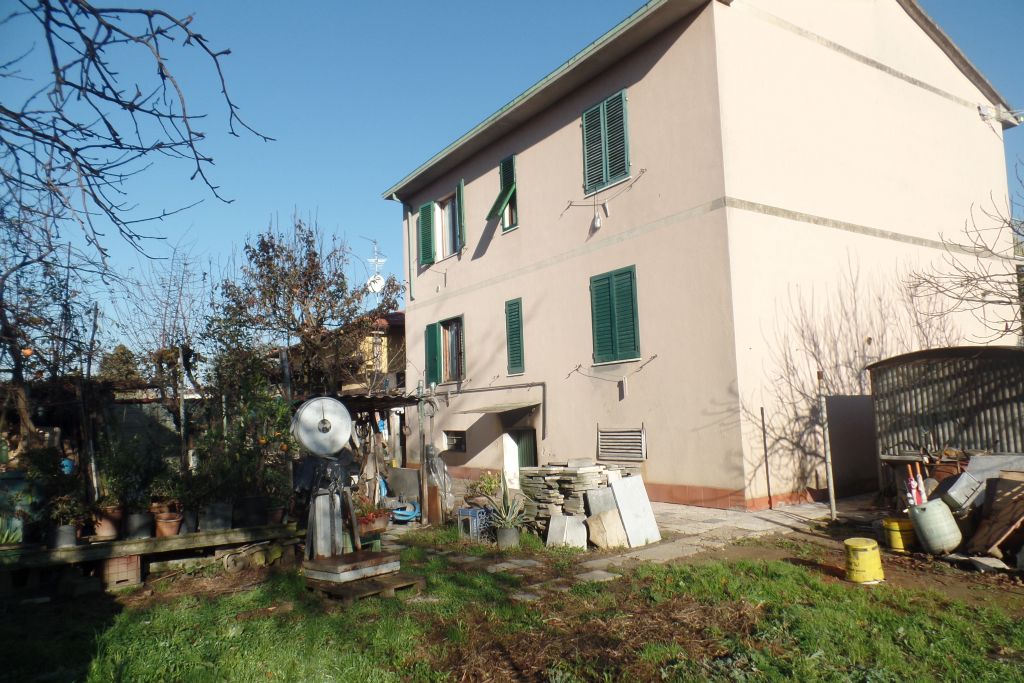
526	445
520	450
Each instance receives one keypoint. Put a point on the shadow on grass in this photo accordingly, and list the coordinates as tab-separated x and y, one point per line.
54	640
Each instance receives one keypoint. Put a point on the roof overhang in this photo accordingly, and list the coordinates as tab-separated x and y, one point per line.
627	36
500	408
638	28
1004	112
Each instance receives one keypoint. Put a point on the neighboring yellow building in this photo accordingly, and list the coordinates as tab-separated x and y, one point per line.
382	355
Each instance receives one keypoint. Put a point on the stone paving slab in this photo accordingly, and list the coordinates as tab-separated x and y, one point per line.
523	596
465	559
524	562
665	552
557	585
597	575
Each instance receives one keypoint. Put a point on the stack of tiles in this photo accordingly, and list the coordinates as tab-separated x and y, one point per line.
560	488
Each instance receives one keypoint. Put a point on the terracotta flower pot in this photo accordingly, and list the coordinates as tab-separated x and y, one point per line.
168	524
108	522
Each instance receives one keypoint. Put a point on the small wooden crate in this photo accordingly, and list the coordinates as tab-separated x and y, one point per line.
122	572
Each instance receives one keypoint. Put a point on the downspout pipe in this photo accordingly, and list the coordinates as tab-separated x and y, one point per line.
408	242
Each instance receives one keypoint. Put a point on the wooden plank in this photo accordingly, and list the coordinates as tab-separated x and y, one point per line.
994	530
35	557
350	575
384	586
349	561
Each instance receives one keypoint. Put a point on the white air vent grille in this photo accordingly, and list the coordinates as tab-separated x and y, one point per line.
621	444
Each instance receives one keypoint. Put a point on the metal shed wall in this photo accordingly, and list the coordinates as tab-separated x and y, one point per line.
969	398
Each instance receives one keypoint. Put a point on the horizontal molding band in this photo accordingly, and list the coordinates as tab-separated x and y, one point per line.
724	202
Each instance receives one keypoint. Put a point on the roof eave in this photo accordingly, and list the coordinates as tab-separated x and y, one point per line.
934	31
647	21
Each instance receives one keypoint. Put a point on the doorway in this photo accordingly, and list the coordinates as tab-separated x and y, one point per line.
520	449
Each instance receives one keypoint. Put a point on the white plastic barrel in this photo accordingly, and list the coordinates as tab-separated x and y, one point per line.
936	529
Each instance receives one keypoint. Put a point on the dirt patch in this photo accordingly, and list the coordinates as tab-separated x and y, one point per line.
159	590
574	632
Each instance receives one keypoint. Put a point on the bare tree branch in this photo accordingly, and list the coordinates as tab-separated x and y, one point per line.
67	149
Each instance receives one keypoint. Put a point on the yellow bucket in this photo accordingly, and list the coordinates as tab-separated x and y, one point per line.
863	561
899	534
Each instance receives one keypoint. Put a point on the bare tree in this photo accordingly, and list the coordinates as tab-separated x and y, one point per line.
822	346
982	272
296	286
161	312
75	137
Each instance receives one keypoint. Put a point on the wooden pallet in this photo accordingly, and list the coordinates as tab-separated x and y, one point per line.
383	586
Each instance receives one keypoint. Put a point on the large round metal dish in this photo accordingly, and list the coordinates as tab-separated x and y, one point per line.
322	426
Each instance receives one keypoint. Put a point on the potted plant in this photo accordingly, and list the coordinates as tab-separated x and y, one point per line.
68	512
372	519
127	468
213	485
478	492
190	498
107	516
508	514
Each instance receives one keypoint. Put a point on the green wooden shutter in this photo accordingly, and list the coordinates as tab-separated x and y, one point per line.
593	150
432	344
616	143
507	177
507	172
426	221
627	338
514	336
602	317
459	199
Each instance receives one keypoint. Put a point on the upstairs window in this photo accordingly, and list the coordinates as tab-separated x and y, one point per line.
605	143
441	226
445	351
614	316
453	363
505	206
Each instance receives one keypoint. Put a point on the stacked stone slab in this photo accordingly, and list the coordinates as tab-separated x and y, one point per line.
561	488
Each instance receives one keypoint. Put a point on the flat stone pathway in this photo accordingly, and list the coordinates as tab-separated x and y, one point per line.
691	530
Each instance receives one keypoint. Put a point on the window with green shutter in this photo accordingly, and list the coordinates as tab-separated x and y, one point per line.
614	315
605	143
425	223
432	344
505	206
514	336
445	350
441	226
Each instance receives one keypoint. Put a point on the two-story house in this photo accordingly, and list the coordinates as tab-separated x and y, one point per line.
600	268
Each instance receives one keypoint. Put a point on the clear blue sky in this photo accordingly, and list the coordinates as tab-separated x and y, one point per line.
357	94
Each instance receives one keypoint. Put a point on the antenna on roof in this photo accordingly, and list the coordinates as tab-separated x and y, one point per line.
376	282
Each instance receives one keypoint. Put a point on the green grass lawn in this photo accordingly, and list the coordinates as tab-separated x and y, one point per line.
715	621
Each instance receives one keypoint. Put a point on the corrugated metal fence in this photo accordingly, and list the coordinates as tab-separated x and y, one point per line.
963	397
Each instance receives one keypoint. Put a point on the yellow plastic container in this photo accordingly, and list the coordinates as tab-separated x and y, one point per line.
899	534
863	561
